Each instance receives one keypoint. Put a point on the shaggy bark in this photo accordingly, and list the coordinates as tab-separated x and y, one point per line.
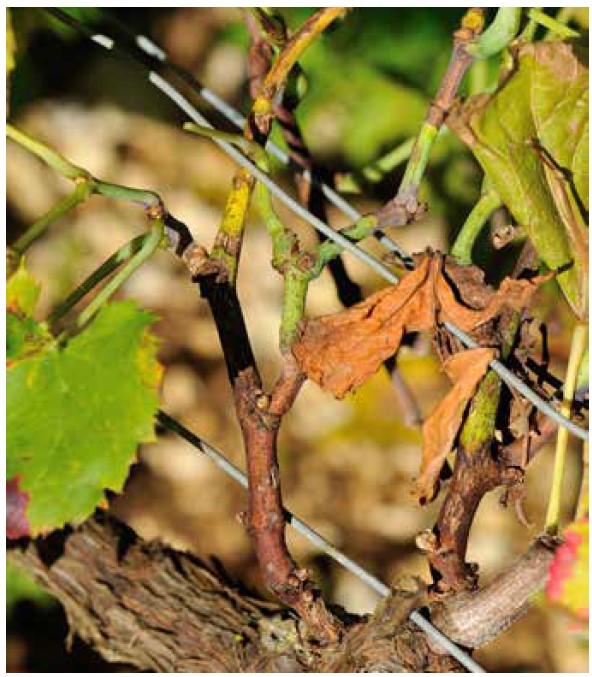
157	609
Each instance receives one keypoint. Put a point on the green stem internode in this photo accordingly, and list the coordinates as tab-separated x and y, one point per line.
124	253
579	342
146	198
479	428
283	241
48	155
419	158
329	250
488	202
480	425
295	291
78	195
286	260
150	244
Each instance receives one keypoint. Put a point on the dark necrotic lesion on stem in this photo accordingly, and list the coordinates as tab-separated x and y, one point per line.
481	463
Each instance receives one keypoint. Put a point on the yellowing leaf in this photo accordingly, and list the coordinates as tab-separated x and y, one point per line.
22	291
542	105
24	336
75	417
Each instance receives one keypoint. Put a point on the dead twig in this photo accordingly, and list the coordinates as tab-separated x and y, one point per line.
479	467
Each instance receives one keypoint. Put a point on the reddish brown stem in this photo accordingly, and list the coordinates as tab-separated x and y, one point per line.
459	64
260	417
260	56
265	520
473	476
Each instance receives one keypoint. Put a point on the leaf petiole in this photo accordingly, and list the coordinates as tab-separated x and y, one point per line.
78	195
488	202
537	15
149	245
124	253
66	168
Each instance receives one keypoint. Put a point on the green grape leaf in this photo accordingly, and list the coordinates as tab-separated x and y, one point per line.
568	583
539	113
75	416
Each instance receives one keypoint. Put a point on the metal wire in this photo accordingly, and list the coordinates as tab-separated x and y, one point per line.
324	545
261	176
504	373
152	50
183	103
514	382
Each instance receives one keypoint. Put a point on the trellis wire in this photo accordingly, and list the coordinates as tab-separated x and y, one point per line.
314	537
152	50
504	373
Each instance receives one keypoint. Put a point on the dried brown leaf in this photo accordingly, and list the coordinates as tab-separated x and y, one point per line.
340	351
441	427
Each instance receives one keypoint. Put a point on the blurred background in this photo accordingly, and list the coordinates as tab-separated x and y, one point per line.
347	467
